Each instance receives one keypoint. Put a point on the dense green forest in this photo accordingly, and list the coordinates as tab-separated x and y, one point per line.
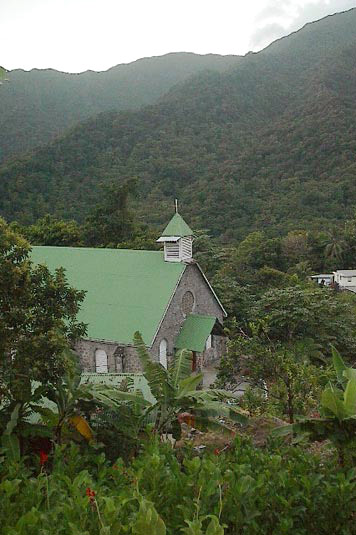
39	105
270	144
262	159
92	459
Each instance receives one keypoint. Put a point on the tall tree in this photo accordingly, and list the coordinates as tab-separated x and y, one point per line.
112	221
335	246
52	231
37	318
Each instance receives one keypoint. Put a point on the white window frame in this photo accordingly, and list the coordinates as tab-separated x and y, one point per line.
101	361
163	347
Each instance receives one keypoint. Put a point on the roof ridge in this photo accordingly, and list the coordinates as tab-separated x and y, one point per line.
101	249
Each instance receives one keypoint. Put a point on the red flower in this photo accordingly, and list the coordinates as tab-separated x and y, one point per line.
91	496
43	457
216	451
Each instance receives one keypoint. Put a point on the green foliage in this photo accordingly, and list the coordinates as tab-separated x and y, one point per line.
37	320
52	231
9	441
337	420
112	221
297	313
282	489
176	391
41	104
231	149
282	381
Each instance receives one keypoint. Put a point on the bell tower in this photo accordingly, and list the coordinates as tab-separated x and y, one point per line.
178	240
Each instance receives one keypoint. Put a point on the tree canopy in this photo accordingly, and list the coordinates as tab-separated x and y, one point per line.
37	318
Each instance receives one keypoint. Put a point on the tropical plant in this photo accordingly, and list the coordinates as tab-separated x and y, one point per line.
283	378
176	392
63	410
37	319
244	490
337	421
301	312
335	246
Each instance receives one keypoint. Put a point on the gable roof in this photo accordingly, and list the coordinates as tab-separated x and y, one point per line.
195	332
127	290
177	227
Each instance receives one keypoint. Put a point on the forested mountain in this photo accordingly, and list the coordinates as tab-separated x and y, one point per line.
270	144
39	105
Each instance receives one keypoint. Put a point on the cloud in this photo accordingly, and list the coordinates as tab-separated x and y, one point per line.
275	8
282	17
267	34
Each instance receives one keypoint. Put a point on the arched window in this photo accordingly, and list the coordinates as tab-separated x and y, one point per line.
163	353
101	361
187	303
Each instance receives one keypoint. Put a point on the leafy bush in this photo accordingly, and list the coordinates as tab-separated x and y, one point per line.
246	490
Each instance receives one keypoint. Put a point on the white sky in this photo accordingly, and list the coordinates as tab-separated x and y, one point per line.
75	35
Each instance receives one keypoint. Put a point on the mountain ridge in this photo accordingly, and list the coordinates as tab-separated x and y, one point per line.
270	144
38	105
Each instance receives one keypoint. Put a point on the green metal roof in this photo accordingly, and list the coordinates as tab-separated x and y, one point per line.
127	290
194	332
177	227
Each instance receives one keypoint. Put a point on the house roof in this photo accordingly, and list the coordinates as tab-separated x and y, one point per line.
346	272
177	227
127	290
194	332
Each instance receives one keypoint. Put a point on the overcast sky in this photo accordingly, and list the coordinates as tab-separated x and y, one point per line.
75	35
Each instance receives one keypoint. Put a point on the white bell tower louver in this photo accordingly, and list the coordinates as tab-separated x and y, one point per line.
178	240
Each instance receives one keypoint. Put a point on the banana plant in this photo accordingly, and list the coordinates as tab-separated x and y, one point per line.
176	391
66	395
337	420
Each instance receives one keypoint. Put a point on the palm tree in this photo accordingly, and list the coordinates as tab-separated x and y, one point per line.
334	246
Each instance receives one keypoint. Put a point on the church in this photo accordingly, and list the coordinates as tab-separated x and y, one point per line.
162	294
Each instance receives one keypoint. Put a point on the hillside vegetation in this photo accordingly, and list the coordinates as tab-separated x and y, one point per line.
268	144
39	105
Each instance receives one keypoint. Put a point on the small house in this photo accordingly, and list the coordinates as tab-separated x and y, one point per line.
324	279
346	279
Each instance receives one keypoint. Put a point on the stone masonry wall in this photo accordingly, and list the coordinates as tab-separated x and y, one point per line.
124	358
204	303
120	358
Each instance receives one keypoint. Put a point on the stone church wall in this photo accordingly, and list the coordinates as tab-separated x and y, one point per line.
204	303
121	359
124	358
